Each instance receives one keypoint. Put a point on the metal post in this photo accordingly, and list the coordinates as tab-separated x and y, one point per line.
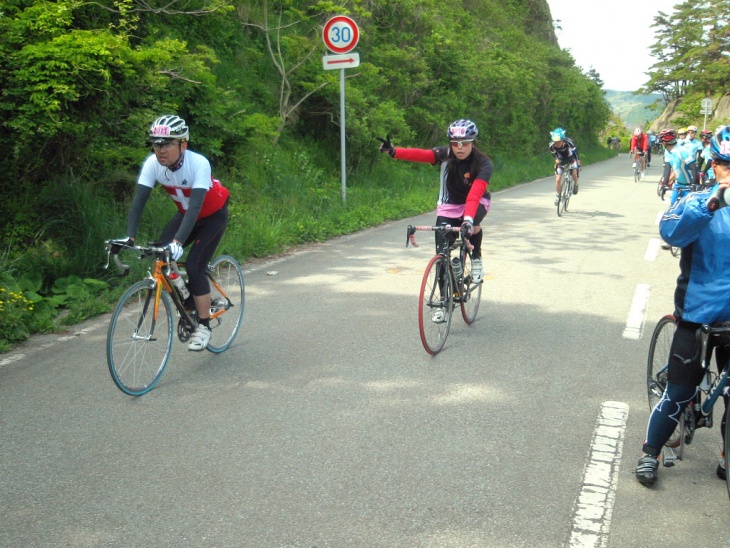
342	136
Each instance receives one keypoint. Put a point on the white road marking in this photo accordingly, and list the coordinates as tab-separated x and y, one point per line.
635	321
658	217
594	507
652	250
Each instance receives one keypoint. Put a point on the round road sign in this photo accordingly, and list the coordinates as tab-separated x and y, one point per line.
340	34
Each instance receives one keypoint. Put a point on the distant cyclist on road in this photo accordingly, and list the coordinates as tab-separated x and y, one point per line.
652	143
465	173
700	298
679	165
565	153
638	147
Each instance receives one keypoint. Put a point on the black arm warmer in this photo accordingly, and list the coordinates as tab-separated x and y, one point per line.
141	194
667	172
191	215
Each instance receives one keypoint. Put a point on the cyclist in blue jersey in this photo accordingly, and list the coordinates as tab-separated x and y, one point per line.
652	143
565	152
679	164
700	225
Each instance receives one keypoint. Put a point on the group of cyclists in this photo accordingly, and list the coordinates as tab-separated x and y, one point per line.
464	200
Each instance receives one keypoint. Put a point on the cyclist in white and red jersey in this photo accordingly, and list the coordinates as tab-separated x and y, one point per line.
202	204
465	173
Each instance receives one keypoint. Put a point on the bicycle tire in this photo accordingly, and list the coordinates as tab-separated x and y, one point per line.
138	345
565	191
726	447
659	348
470	292
656	372
226	271
437	292
568	192
637	175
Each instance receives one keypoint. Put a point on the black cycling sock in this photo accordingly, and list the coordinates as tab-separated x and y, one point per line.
205	322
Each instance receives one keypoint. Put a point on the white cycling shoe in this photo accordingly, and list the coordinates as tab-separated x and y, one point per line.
476	270
200	338
439	316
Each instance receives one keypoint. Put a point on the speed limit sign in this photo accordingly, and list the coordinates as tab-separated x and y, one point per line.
340	34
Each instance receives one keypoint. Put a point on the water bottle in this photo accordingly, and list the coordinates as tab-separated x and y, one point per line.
456	263
180	284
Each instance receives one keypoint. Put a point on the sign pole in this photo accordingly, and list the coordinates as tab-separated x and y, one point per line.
343	163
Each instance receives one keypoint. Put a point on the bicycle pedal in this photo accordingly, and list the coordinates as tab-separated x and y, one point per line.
669	457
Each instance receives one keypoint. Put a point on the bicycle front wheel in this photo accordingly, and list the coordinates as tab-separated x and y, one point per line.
565	192
228	296
637	174
658	362
139	340
435	304
470	293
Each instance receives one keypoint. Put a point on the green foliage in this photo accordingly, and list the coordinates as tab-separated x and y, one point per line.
691	50
82	81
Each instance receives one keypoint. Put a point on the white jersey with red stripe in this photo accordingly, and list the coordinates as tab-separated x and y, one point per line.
195	172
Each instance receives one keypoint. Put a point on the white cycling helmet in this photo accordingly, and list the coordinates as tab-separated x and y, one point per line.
462	129
169	127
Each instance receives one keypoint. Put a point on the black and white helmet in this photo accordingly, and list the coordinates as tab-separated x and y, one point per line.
462	129
169	127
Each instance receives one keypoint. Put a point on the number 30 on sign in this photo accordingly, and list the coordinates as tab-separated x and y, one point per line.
340	34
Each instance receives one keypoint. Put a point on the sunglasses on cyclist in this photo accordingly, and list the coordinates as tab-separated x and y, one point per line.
461	144
168	145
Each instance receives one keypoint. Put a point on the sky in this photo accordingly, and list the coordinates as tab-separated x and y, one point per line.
613	37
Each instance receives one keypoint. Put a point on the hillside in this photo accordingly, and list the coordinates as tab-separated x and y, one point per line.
635	110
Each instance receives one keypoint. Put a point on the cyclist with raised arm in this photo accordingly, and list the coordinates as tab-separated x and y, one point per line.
700	224
638	147
465	173
202	204
565	153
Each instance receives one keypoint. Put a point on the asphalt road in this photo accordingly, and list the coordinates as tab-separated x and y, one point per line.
326	424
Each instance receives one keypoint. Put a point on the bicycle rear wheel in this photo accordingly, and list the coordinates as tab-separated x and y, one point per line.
228	296
656	375
435	304
138	344
470	292
657	364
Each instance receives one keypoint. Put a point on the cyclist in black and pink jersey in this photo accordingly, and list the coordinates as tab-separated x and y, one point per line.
465	173
565	152
202	204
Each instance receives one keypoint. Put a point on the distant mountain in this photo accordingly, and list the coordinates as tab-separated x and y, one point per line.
635	110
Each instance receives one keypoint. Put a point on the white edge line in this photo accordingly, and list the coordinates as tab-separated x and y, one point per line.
635	320
594	507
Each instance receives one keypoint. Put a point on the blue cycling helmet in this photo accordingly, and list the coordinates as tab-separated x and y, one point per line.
720	145
462	129
558	134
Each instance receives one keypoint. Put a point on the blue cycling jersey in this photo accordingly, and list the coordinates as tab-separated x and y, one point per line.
679	158
705	264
